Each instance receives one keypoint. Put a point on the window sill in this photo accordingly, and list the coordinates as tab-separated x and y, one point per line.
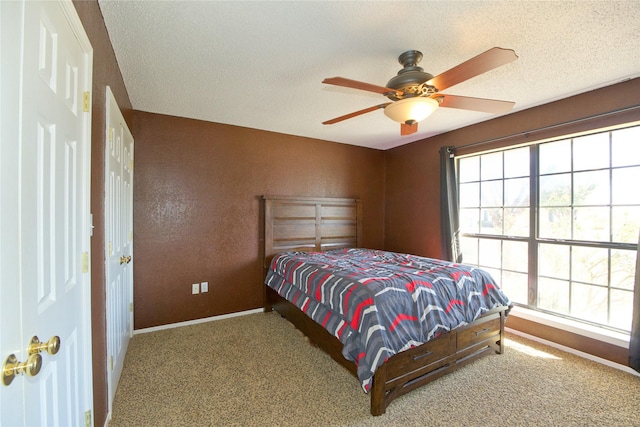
600	334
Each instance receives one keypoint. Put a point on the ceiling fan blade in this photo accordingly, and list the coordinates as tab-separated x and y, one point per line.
354	84
493	58
355	113
476	104
408	129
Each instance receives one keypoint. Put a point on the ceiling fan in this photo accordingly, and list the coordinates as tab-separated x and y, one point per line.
416	94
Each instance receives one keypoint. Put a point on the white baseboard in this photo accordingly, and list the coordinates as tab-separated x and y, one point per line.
575	352
195	322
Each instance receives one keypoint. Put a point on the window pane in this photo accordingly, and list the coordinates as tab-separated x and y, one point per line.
625	224
515	287
516	162
625	190
591	152
591	188
555	157
555	190
623	266
553	295
515	256
491	193
590	265
491	221
625	147
516	192
621	309
490	254
469	169
491	166
469	247
553	261
516	222
469	195
589	303
469	220
555	223
591	224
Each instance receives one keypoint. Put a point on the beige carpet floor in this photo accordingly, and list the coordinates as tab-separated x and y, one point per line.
257	370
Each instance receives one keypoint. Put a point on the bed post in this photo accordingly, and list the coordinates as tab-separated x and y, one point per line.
268	249
502	322
378	394
358	223
267	304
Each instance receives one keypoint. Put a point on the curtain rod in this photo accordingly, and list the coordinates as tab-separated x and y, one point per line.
570	122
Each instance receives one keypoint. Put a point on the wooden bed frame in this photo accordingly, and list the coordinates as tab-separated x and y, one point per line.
319	224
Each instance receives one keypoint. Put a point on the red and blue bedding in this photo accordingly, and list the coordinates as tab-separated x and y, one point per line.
380	303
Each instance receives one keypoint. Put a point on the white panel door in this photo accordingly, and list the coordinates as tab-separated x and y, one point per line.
11	342
53	239
119	240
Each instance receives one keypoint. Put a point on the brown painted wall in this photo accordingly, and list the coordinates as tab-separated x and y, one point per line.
106	72
412	204
197	190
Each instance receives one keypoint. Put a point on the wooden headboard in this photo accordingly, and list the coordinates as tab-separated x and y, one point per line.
310	224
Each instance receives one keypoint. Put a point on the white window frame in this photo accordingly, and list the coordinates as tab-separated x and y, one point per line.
530	310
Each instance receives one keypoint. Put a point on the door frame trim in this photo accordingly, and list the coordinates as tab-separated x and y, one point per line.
86	221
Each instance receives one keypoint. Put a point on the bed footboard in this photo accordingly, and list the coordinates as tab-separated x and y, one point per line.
413	368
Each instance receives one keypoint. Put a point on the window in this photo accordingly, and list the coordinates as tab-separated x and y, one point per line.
556	223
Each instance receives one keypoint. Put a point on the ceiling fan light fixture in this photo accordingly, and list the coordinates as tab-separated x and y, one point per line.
413	109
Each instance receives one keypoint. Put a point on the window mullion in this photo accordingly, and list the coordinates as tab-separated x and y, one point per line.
534	167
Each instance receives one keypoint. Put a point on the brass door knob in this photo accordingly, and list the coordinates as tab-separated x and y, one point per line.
52	346
12	367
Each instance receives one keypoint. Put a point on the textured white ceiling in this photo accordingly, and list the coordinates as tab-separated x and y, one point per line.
260	64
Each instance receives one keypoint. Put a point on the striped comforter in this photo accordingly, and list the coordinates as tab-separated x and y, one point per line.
380	303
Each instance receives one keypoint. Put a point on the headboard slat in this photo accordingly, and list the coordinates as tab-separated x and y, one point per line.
310	224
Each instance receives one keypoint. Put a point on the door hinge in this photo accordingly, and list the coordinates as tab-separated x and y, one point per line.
131	307
110	251
87	418
86	102
85	262
111	362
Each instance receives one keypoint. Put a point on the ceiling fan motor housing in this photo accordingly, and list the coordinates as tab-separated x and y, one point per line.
411	78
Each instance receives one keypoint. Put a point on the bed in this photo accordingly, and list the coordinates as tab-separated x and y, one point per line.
312	264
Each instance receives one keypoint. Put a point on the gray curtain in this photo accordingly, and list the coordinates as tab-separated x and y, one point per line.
634	344
449	219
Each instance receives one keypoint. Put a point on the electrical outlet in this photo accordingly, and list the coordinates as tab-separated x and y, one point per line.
195	288
204	287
